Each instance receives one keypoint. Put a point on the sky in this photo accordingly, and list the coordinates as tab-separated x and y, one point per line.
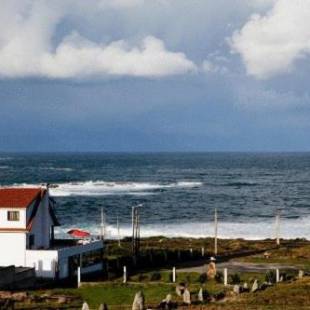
154	75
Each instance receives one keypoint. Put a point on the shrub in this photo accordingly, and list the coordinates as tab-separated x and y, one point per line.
219	277
235	278
202	278
270	276
155	276
142	277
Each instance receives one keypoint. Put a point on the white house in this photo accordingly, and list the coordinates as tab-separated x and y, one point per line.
27	222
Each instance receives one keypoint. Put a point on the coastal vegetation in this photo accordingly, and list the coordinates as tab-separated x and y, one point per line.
155	280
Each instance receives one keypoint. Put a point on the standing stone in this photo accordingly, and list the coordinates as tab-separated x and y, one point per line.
300	274
187	297
85	306
200	295
254	286
138	303
236	289
168	298
180	288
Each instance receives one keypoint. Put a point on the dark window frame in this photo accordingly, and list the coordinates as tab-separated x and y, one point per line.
13	216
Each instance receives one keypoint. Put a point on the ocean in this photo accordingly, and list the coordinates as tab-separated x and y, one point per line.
177	192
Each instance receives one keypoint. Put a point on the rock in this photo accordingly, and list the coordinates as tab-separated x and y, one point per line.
211	270
103	307
245	285
62	300
180	288
254	286
85	306
138	303
187	297
168	298
236	289
20	296
267	254
5	295
167	303
200	295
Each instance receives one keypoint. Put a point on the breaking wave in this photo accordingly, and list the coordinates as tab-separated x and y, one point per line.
64	169
290	229
102	188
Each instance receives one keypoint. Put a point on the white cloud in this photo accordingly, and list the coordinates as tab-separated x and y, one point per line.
271	44
26	49
209	66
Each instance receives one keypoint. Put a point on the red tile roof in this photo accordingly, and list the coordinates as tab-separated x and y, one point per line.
18	197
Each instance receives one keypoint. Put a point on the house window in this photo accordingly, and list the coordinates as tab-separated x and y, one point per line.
13	215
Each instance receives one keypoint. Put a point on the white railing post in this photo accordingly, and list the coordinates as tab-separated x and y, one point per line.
79	276
173	275
124	274
225	276
277	275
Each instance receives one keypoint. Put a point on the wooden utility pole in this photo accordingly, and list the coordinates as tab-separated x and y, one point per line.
135	231
215	232
278	227
118	232
103	225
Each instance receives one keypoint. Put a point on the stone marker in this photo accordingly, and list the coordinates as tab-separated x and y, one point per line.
168	298
187	297
300	274
138	303
236	289
200	295
180	288
85	306
254	286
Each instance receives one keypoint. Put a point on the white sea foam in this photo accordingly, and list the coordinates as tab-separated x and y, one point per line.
5	158
290	229
64	169
101	188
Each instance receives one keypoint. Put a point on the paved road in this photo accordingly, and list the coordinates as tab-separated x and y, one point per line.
238	267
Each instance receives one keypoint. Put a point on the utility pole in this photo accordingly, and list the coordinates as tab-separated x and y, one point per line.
278	227
118	232
215	231
135	231
103	225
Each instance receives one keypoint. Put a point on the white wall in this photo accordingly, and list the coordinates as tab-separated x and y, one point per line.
12	248
41	225
4	223
43	261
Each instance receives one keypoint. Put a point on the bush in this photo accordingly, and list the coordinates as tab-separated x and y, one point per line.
270	276
234	278
219	277
155	276
142	277
202	278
